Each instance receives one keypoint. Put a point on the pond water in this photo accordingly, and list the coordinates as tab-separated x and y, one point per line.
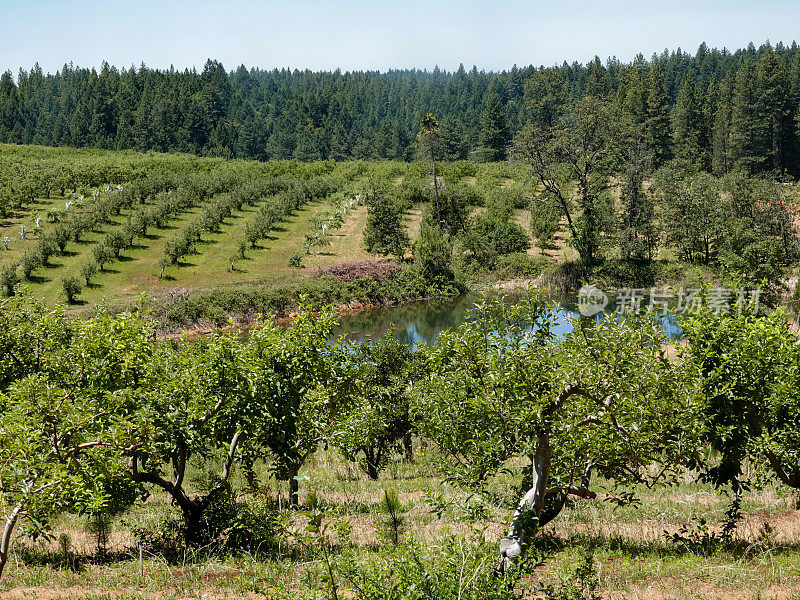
421	322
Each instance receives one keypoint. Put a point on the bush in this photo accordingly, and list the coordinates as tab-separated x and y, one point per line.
520	264
229	526
31	261
71	286
88	270
9	278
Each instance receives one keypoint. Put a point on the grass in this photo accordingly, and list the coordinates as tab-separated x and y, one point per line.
632	555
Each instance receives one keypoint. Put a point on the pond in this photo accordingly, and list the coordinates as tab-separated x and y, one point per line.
420	322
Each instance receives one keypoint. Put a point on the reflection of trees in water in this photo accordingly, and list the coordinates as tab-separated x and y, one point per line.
421	322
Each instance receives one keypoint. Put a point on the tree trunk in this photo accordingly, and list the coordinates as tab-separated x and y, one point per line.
371	463
525	522
193	518
436	187
5	542
294	489
408	446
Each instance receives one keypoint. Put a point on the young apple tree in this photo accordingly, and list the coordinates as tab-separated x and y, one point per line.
750	371
377	396
65	403
503	390
196	405
292	374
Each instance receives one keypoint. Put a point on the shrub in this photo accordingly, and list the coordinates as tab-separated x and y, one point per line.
9	278
452	569
88	270
71	286
31	261
520	264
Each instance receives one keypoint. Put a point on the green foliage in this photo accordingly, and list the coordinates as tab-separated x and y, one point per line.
266	114
574	157
392	507
448	568
88	270
375	402
72	287
582	585
544	222
494	234
9	278
494	129
748	366
385	232
65	419
291	375
433	253
496	381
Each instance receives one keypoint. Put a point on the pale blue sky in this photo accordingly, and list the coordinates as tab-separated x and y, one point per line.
359	35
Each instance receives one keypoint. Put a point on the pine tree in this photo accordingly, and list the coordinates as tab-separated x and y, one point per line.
746	135
494	129
9	107
776	112
687	119
597	80
545	96
720	152
634	91
708	109
657	125
637	231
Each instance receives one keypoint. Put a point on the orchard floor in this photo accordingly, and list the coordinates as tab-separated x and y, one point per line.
633	555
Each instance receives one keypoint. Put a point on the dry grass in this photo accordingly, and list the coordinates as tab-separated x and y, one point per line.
633	556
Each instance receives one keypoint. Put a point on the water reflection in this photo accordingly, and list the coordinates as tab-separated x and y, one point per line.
421	322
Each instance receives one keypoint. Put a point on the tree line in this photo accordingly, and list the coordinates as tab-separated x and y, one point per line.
723	110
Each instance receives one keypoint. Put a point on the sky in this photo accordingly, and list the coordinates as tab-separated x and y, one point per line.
375	35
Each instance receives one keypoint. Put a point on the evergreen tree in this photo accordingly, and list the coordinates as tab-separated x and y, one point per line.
494	129
597	79
634	91
9	107
776	112
747	130
637	232
545	96
720	151
687	121
657	126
